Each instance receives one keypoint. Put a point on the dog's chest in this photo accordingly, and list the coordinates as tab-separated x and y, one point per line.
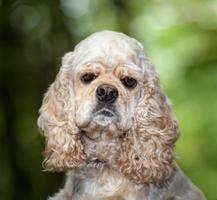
107	185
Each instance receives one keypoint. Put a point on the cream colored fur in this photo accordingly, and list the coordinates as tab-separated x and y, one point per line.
128	156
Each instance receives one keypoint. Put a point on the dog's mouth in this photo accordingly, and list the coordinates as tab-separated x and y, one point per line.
105	112
104	116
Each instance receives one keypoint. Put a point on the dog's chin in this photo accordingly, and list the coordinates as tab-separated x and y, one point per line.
103	121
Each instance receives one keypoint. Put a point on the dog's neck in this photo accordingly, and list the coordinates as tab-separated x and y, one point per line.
101	150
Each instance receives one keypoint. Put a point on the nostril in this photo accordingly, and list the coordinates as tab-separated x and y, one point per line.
112	95
101	92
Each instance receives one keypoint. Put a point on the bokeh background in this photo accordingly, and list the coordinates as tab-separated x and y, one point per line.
180	37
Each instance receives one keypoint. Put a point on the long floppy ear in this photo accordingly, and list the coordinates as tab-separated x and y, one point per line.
146	155
63	147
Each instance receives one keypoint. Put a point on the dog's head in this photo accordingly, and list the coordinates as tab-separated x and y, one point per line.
107	87
107	81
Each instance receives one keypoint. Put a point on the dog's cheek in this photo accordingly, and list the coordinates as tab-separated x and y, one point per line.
84	113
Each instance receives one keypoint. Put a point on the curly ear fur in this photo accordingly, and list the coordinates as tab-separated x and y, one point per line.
64	149
146	155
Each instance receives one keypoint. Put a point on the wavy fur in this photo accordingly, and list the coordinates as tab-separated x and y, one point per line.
132	158
146	155
63	145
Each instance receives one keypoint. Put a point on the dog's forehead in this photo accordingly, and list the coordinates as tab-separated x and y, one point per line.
111	48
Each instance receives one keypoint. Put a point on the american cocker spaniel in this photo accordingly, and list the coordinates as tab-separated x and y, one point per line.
108	123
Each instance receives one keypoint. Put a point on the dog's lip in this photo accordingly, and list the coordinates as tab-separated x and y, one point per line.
106	112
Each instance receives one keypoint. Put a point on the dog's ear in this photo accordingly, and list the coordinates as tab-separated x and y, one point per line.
146	155
64	149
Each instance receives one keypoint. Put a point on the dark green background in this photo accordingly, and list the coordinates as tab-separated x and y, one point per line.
180	37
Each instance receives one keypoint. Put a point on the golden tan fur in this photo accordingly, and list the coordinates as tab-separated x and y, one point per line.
63	147
128	156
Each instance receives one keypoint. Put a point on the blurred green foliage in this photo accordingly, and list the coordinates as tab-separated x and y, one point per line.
180	38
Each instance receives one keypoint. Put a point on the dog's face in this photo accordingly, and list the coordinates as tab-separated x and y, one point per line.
106	96
107	88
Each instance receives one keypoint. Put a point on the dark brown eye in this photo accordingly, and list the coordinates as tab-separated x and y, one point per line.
129	82
87	78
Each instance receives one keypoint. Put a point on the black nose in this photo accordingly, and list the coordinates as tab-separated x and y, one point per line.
106	93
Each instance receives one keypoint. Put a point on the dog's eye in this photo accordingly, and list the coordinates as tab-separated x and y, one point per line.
129	82
87	78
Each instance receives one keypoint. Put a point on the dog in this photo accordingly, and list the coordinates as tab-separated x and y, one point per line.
107	122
